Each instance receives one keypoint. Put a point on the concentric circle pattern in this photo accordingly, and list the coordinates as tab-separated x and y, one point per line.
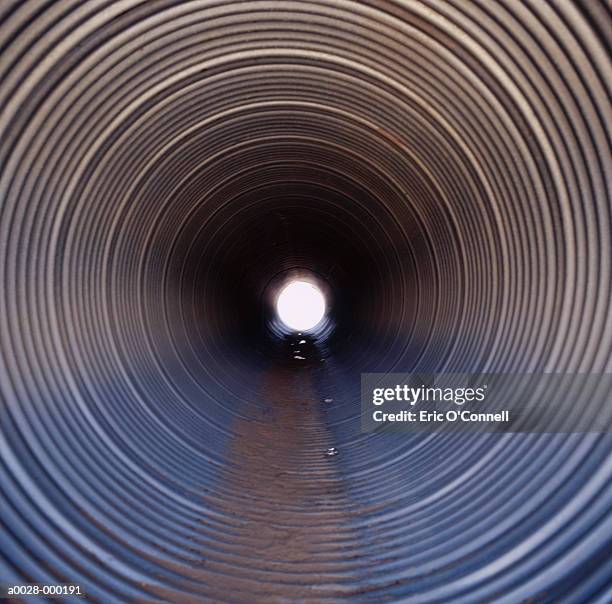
444	166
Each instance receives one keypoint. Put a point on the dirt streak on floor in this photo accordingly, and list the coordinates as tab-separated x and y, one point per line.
287	537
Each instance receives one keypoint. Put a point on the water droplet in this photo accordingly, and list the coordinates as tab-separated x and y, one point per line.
302	342
328	400
331	452
297	356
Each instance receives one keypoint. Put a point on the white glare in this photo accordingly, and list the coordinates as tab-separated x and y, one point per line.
300	305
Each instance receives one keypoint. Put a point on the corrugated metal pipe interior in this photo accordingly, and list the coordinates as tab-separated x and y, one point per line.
439	170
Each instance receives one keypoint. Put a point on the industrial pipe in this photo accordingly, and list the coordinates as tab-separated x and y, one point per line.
439	168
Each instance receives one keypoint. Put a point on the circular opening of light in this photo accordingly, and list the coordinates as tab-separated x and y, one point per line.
301	305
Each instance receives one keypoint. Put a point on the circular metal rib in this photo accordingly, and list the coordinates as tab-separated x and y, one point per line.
444	166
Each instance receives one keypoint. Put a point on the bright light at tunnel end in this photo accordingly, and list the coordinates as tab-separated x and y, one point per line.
301	306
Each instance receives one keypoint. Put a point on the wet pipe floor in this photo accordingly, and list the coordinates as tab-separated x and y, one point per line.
288	523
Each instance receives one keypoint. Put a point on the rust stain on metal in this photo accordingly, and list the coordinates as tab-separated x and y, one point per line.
286	524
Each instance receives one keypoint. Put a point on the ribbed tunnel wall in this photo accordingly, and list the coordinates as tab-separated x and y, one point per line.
442	167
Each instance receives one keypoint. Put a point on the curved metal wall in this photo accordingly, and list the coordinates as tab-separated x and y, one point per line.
444	166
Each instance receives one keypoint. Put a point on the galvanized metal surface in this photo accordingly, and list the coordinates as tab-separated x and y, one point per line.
443	165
